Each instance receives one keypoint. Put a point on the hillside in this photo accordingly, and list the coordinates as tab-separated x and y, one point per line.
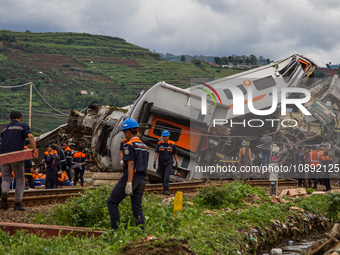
61	65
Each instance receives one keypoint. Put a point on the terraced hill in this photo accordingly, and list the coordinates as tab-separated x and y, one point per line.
61	65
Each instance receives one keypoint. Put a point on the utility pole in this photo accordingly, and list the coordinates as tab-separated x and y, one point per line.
30	110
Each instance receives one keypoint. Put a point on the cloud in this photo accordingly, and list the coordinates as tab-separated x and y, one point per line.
273	29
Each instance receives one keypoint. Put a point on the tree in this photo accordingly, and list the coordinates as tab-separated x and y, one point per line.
224	61
231	59
197	62
217	60
243	59
182	58
261	60
253	59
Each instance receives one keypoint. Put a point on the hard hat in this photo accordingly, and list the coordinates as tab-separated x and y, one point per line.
129	123
165	133
244	143
60	171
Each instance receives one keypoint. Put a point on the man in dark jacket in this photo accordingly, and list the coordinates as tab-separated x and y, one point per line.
68	157
132	183
165	152
79	161
13	139
300	162
51	167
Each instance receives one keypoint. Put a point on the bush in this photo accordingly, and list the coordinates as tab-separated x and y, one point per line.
229	195
87	210
333	203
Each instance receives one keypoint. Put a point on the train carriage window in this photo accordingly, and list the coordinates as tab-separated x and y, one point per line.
229	95
175	132
304	65
264	83
288	71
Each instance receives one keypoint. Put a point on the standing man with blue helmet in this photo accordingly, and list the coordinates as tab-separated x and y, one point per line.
132	183
165	152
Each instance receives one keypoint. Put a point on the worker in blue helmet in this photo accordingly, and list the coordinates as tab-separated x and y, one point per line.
165	153
132	183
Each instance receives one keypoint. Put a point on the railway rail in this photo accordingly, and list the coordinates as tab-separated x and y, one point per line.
44	196
195	185
48	196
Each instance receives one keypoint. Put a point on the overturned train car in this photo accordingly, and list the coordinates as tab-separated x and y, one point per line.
189	119
180	111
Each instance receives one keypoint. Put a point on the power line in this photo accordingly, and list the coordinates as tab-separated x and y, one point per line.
48	102
16	86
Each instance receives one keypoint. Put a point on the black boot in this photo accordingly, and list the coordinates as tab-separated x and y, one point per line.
19	207
4	201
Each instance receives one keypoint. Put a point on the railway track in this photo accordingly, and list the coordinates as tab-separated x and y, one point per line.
195	185
49	196
44	196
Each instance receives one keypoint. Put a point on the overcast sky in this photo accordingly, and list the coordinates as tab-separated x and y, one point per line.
272	29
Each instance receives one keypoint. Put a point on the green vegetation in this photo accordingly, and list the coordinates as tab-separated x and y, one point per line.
233	225
333	206
111	70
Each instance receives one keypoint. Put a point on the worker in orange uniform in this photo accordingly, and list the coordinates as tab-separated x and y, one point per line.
314	159
51	167
242	154
132	183
165	153
326	162
63	179
68	156
79	161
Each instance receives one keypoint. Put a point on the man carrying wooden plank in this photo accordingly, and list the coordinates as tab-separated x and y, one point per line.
13	139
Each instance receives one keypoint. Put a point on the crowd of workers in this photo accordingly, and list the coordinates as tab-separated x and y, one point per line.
54	170
314	157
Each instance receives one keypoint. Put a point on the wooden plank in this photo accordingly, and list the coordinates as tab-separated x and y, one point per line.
16	156
49	230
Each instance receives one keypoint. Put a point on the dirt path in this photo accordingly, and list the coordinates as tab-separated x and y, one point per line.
23	216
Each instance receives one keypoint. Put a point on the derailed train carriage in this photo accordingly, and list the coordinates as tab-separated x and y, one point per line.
189	118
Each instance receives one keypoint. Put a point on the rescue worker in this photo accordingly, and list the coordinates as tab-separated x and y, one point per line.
41	174
45	154
315	161
242	154
132	183
62	159
300	164
51	167
63	179
266	148
28	167
13	139
165	153
326	162
68	156
79	161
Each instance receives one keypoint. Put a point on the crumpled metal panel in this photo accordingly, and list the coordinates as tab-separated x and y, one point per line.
334	89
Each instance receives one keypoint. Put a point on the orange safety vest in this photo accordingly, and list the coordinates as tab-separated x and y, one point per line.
314	158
